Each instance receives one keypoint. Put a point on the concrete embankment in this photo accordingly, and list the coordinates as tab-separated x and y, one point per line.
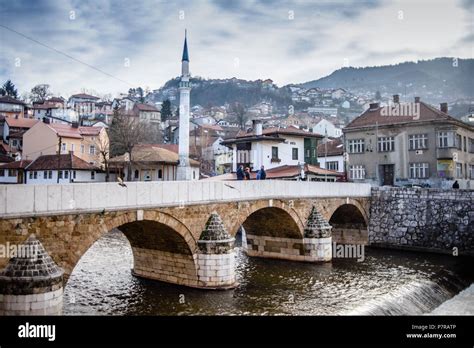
461	304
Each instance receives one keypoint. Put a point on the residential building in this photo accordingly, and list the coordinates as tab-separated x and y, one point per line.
147	113
322	111
83	104
150	162
87	143
11	107
410	143
273	147
331	155
13	172
68	167
327	128
220	156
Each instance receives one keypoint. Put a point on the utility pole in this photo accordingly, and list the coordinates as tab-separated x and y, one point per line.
59	156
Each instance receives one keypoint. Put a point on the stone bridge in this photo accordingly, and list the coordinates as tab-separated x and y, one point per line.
182	232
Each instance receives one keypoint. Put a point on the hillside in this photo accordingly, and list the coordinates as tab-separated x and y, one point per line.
430	79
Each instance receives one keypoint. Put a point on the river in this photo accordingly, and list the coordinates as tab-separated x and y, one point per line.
387	282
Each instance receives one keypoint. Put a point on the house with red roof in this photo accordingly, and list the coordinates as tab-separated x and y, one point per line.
87	143
409	143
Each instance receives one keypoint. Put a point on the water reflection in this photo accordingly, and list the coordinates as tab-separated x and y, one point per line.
387	282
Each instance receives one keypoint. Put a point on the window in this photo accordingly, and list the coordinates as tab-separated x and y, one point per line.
294	153
82	148
386	144
471	171
471	145
194	175
308	153
356	146
63	147
14	143
458	170
45	174
50	174
418	141
445	139
74	174
465	144
160	174
333	165
30	175
357	172
92	150
419	170
11	172
458	142
92	175
2	172
60	173
274	152
35	174
66	174
72	147
137	174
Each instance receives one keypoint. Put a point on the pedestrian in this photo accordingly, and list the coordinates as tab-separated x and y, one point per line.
247	173
456	185
261	174
240	173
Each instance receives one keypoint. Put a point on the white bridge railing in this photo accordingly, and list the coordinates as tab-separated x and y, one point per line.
34	200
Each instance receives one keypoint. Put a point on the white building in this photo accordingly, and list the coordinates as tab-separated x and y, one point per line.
331	155
324	126
70	169
273	147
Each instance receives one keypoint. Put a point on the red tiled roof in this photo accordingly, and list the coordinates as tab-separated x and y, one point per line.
372	117
68	131
145	107
9	100
84	96
334	148
66	161
54	100
5	158
20	122
16	165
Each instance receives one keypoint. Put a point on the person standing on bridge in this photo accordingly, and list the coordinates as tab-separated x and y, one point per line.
247	173
261	174
240	173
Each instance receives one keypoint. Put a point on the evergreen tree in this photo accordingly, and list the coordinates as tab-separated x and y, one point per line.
166	110
9	89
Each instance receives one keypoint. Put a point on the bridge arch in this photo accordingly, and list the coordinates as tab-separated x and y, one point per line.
349	222
271	218
158	241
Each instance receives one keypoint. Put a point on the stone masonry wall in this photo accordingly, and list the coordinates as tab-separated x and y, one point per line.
433	219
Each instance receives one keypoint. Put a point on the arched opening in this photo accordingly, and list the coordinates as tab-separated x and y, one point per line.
272	222
349	225
272	232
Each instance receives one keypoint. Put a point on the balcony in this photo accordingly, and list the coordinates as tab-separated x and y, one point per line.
275	160
445	152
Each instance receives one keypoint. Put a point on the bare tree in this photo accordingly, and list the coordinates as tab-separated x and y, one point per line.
103	152
240	114
39	93
125	132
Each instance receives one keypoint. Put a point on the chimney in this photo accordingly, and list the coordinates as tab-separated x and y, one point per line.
444	107
396	98
75	125
257	127
374	106
417	99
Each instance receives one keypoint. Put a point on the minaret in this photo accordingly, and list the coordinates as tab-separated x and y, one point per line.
184	170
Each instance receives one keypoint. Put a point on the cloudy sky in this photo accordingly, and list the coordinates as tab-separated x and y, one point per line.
109	46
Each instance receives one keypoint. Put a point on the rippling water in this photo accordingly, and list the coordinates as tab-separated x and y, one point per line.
388	282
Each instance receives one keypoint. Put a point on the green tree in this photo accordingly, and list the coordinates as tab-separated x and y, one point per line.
9	89
166	112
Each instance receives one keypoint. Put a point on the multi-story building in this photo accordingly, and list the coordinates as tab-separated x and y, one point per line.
273	147
11	107
409	143
331	155
88	143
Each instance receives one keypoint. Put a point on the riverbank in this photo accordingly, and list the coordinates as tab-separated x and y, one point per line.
461	304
